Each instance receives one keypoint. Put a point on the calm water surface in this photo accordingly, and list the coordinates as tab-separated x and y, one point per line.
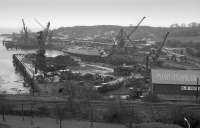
11	82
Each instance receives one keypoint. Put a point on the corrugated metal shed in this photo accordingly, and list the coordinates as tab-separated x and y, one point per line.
181	77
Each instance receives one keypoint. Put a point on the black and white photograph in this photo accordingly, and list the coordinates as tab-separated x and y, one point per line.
99	63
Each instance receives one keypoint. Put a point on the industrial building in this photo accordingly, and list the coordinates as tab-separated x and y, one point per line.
181	83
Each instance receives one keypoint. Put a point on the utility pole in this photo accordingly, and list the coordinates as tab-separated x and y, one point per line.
91	116
131	116
32	83
147	64
32	113
197	91
23	112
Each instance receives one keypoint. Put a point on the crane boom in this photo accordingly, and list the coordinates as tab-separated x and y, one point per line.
135	28
39	23
161	47
46	31
25	29
24	26
122	36
121	39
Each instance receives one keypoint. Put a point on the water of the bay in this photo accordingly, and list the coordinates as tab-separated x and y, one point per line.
11	82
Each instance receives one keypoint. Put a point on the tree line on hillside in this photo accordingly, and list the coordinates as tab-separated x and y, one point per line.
104	33
192	48
183	25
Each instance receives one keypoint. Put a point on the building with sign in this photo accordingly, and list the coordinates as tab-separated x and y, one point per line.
176	82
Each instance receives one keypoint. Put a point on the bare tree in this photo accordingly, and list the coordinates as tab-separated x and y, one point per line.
174	26
183	25
193	25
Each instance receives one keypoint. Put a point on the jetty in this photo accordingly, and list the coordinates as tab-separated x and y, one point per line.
27	70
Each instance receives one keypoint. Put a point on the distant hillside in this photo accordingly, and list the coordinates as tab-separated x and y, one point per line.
4	30
155	33
8	30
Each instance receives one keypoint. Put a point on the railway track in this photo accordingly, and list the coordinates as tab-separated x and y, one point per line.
137	106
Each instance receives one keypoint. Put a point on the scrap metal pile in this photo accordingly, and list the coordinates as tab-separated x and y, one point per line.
60	62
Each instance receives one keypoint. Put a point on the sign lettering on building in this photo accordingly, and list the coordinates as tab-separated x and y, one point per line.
189	88
181	77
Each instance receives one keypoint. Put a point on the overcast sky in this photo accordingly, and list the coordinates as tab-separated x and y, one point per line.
98	12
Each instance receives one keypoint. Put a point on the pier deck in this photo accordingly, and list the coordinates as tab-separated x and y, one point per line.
28	67
27	70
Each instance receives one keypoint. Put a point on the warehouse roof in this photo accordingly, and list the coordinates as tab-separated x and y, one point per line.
182	77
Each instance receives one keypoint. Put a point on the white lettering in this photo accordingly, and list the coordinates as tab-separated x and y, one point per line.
189	88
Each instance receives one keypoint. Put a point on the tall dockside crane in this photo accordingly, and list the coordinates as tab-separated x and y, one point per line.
159	51
25	30
152	58
40	57
50	32
134	30
122	37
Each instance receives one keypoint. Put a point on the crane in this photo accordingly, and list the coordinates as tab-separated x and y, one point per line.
122	36
158	52
25	29
50	32
39	23
40	57
46	31
42	38
134	30
152	58
155	55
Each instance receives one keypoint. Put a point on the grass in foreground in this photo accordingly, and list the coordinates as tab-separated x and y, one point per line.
41	122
